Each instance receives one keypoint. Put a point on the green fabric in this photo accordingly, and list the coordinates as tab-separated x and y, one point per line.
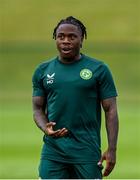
49	169
73	93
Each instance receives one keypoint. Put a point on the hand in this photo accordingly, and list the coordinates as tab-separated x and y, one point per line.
110	157
58	133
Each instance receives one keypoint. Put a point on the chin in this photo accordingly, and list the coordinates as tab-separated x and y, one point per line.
67	56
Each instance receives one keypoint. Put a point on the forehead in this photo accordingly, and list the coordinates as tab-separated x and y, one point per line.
68	28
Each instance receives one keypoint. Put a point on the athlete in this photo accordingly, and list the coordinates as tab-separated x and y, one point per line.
68	93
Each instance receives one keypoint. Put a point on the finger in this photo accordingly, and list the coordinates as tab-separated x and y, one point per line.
108	169
51	132
101	160
50	124
62	132
106	172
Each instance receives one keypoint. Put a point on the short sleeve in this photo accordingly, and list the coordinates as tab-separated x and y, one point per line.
107	87
37	83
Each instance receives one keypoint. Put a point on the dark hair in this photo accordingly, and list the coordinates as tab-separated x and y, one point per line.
74	21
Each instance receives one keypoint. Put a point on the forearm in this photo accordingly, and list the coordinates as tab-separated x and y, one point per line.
39	115
112	124
112	127
40	119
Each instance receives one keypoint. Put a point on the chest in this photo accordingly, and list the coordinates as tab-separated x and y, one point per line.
70	79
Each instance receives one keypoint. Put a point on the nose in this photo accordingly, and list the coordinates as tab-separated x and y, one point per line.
66	40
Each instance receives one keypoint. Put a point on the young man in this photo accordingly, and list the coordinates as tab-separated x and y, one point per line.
68	93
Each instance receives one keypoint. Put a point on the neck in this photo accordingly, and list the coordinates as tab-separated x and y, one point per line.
70	60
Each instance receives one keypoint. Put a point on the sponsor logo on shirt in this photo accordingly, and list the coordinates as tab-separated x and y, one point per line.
86	74
50	78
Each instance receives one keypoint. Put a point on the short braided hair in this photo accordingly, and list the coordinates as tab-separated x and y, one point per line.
74	21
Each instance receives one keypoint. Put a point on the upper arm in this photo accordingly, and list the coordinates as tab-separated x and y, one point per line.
111	115
106	83
38	103
109	104
37	83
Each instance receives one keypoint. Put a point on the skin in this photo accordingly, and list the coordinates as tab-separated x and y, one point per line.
112	126
41	119
69	41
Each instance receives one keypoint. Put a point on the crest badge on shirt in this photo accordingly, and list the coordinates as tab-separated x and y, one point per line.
86	74
50	78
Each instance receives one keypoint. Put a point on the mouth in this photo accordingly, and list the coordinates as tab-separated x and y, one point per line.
66	50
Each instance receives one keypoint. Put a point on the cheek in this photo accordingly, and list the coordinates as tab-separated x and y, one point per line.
78	44
57	44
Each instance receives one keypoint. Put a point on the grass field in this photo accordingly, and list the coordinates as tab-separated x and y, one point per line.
25	36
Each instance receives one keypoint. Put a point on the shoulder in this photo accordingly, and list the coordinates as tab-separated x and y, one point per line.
42	66
99	64
40	69
92	60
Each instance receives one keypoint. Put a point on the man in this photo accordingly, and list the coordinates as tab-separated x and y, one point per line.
68	92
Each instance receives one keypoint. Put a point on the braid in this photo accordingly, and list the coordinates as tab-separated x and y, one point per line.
74	21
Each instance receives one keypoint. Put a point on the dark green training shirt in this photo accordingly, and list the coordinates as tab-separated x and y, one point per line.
73	94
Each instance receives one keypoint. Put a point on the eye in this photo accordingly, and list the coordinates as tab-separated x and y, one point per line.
73	37
60	36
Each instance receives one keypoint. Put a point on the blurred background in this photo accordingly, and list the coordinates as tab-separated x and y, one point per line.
26	28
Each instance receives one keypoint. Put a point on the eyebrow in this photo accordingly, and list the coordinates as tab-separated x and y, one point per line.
62	33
